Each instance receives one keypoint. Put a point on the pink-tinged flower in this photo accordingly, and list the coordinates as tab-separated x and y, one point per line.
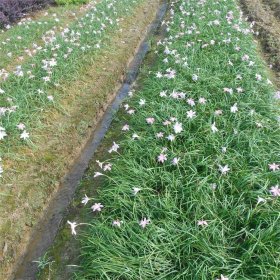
175	161
202	100
114	148
202	223
273	166
85	200
73	227
21	126
107	166
234	108
191	102
178	127
191	114
224	169
24	135
96	174
162	158
144	222
277	95
167	122
97	207
275	191
135	190
150	120
245	57
117	223
125	127
214	128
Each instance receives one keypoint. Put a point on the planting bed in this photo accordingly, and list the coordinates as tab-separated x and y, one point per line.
52	100
189	188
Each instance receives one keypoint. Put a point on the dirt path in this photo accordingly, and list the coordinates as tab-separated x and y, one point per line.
266	15
36	178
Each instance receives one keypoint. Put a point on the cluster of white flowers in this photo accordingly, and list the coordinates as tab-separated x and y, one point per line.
56	45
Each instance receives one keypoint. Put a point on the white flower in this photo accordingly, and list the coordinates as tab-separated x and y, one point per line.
234	108
202	223
21	126
175	161
125	127
135	136
85	200
202	100
117	223
114	148
107	166
24	135
224	169
194	77
97	207
135	190
261	200
214	128
177	127
224	149
144	222
258	77
1	170
170	137
73	226
96	174
191	114
142	102
2	133
223	277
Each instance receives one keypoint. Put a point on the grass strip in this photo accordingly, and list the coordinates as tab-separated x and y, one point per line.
190	191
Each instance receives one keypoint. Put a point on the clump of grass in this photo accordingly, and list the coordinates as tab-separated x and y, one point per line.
193	191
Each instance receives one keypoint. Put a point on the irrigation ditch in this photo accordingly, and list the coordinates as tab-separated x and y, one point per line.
47	230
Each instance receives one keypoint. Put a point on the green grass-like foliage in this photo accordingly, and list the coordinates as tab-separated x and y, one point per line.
69	2
241	237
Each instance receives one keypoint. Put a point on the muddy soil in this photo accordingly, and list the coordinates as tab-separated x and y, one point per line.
266	15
